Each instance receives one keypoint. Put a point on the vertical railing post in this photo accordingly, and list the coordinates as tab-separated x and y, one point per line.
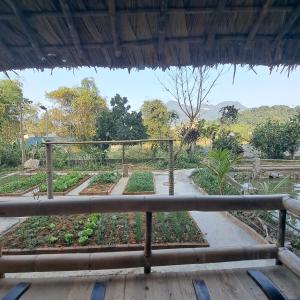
2	275
123	154
49	171
171	168
148	241
281	230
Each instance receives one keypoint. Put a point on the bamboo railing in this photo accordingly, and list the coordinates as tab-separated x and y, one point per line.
148	257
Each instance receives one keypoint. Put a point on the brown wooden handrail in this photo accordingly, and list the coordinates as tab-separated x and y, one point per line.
150	203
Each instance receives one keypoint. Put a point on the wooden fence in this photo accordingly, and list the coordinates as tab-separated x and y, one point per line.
148	257
49	164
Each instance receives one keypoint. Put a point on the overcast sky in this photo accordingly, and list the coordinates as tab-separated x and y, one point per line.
249	88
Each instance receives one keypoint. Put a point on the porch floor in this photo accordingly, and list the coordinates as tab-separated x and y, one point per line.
222	284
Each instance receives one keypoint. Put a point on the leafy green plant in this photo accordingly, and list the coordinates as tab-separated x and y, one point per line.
68	239
63	183
104	178
140	182
21	183
52	239
138	227
83	240
219	163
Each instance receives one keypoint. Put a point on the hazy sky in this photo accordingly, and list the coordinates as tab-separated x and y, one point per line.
249	89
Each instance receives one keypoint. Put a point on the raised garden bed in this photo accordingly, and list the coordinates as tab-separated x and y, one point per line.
64	184
140	183
104	232
101	184
17	185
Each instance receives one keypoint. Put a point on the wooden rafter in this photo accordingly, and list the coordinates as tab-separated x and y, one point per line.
278	41
162	23
263	13
26	28
71	25
171	11
211	36
113	22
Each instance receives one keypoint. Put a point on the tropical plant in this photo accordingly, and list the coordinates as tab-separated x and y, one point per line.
219	163
266	188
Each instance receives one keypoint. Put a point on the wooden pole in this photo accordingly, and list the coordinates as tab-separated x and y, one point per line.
171	168
123	154
132	259
148	241
290	260
2	275
281	231
49	171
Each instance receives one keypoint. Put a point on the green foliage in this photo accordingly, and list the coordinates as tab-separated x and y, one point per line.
156	118
229	114
138	227
22	183
107	177
69	238
270	139
229	141
119	123
140	182
219	164
267	188
9	154
208	181
63	183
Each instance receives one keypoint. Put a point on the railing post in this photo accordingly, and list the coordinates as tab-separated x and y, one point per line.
49	171
123	154
281	230
148	241
2	275
171	168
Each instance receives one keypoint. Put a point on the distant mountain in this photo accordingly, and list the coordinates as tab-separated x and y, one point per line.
208	111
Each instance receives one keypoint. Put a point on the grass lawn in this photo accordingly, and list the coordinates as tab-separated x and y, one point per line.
101	184
101	229
140	182
21	183
64	182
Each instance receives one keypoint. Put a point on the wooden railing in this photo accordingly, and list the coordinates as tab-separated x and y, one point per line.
148	258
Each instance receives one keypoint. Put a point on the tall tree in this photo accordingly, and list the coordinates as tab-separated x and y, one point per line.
77	109
120	123
156	118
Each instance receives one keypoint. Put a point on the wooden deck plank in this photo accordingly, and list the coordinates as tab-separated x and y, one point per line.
287	282
222	285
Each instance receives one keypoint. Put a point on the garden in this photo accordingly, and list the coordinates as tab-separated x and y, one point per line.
103	230
140	183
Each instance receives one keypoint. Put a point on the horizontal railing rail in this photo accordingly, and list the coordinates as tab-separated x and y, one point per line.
147	204
152	203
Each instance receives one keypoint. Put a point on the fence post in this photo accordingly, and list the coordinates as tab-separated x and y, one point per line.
49	171
148	241
171	168
123	154
281	230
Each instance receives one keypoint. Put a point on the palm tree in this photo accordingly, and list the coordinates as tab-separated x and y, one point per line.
220	162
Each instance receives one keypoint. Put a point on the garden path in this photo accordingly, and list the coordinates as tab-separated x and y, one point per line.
218	229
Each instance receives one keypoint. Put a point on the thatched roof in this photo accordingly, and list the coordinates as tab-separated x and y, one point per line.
144	33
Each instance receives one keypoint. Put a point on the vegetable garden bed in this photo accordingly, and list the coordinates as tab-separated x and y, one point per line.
104	232
18	185
140	183
64	184
101	184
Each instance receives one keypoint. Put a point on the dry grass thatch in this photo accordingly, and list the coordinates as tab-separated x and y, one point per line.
143	33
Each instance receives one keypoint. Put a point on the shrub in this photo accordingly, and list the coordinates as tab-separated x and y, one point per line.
105	178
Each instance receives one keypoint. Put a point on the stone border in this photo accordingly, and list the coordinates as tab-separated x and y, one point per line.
141	193
94	249
69	190
107	192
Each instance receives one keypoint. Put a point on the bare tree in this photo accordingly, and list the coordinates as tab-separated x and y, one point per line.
190	87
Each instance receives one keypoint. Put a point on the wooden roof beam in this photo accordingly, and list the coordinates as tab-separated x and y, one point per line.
162	23
26	27
211	36
113	21
277	43
71	25
261	17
